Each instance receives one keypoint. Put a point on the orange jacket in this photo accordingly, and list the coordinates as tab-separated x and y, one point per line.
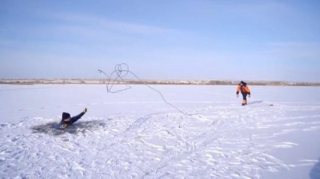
243	89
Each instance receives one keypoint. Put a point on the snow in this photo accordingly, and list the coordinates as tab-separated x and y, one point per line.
135	134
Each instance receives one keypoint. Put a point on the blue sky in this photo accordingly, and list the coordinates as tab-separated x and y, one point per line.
168	39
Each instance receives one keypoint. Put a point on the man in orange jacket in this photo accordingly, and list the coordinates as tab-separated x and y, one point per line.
242	86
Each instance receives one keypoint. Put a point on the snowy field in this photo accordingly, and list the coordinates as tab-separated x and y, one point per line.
134	134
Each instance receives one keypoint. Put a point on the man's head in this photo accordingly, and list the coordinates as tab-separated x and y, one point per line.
243	83
65	115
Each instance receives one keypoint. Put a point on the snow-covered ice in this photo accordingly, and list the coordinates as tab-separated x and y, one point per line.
135	134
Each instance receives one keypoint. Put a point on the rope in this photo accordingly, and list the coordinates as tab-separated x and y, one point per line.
120	72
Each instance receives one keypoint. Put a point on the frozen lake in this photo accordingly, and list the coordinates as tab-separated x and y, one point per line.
135	134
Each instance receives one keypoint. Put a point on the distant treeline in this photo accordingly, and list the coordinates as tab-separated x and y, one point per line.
155	82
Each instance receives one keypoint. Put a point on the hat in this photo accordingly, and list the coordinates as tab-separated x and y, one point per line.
65	115
243	83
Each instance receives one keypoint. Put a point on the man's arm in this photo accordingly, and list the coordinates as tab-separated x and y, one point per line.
248	91
77	117
238	89
61	125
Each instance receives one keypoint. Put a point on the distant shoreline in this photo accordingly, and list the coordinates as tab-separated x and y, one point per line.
152	82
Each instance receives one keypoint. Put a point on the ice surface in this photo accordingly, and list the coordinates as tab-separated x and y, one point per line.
134	134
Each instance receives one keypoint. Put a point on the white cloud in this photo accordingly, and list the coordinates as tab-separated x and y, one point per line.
111	25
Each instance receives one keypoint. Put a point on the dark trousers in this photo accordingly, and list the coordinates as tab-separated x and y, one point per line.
244	96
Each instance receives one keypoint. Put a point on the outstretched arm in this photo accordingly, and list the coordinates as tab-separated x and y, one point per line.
77	117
